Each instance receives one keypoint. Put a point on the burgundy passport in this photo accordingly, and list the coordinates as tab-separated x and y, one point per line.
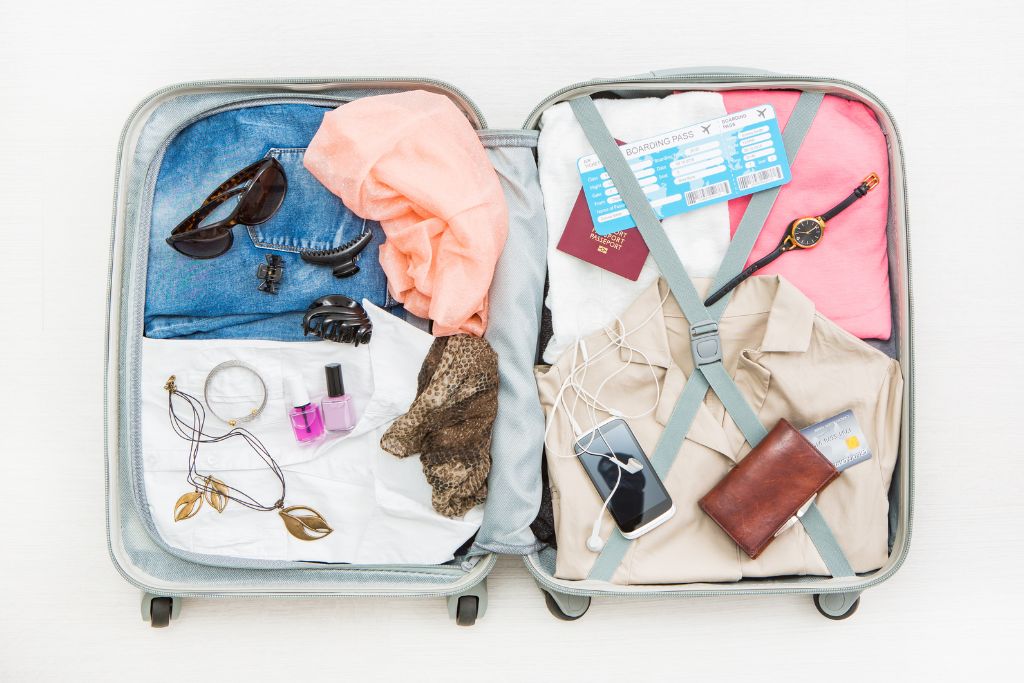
622	253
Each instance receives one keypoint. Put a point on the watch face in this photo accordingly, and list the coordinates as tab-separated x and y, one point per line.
806	232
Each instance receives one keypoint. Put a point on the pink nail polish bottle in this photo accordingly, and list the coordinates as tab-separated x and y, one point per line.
337	407
304	415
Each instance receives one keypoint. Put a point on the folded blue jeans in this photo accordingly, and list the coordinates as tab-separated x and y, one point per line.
218	298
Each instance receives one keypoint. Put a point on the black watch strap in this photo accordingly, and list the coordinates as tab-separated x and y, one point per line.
866	185
748	271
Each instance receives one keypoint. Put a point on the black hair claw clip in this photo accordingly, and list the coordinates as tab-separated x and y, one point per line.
338	318
272	273
343	258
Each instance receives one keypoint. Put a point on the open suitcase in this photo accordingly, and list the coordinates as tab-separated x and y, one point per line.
167	575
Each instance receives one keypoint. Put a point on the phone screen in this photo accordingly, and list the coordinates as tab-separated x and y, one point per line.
641	497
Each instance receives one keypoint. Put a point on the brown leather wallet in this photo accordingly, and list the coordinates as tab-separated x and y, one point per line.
767	488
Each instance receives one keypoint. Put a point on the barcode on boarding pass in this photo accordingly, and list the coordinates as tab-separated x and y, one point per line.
745	182
703	194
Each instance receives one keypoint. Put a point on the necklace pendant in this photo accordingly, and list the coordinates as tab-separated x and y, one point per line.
304	523
216	494
187	505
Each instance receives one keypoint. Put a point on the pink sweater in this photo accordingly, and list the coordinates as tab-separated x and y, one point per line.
847	274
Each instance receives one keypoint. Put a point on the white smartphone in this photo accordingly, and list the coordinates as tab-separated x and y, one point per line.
641	503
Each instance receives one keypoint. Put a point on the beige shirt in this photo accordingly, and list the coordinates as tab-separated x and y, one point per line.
789	362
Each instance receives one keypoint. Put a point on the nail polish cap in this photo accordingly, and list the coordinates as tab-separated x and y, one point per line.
335	383
297	392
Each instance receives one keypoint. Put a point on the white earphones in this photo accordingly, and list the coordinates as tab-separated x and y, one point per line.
575	381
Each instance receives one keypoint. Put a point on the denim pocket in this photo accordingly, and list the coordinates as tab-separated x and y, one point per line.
311	217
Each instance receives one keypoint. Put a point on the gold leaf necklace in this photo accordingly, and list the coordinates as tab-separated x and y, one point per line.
300	521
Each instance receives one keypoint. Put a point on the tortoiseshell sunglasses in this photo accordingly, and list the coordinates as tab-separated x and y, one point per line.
259	201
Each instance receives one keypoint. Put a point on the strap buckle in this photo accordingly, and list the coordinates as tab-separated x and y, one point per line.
871	181
705	344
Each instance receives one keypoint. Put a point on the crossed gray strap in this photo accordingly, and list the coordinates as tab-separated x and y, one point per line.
825	542
705	343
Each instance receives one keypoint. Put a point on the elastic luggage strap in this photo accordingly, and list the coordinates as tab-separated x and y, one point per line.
825	542
704	340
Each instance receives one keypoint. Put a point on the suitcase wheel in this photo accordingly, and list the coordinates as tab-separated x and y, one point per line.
837	606
159	610
467	607
466	610
566	607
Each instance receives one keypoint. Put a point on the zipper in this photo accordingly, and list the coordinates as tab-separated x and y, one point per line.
456	588
455	93
477	120
508	138
685	79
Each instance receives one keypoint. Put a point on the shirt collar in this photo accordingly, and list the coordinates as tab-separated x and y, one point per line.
789	327
790	313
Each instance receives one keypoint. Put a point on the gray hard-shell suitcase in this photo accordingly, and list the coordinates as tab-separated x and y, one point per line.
167	575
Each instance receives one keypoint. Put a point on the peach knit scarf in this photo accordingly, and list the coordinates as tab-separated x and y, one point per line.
413	162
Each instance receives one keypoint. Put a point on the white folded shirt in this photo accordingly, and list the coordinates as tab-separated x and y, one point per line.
378	505
582	297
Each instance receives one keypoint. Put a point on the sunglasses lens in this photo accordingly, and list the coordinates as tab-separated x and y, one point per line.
264	198
205	246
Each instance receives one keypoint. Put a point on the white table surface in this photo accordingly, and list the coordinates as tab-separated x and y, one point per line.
950	71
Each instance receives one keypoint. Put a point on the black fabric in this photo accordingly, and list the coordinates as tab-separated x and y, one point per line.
547	330
465	547
543	527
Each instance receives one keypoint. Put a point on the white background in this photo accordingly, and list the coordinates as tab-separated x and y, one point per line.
71	73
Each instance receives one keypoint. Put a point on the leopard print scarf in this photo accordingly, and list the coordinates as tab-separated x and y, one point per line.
449	423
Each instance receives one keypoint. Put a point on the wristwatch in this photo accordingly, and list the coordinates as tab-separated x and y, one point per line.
803	233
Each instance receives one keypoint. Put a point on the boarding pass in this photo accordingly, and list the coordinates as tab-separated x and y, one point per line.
692	167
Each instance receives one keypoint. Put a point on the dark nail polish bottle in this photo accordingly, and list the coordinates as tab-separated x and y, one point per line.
337	407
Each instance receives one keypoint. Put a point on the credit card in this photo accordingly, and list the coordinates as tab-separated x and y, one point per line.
840	439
